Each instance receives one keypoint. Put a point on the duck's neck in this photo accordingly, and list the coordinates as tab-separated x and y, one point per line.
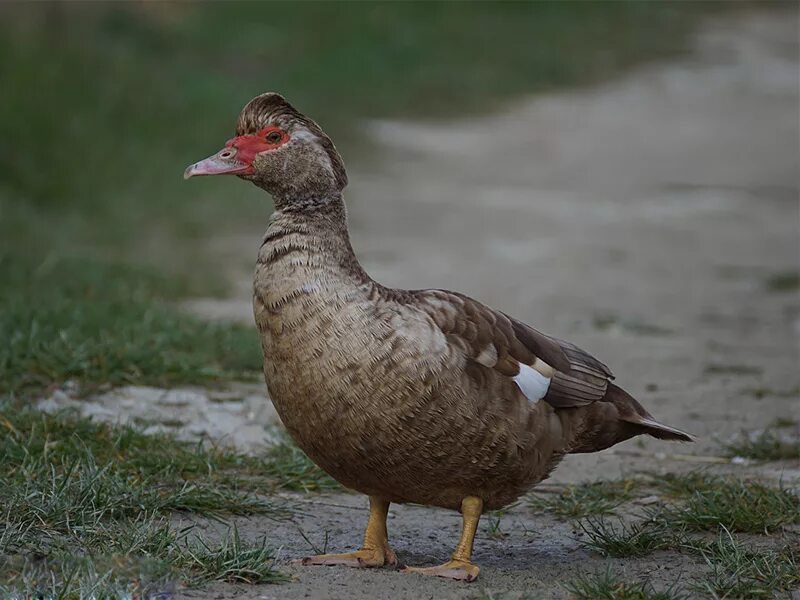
312	232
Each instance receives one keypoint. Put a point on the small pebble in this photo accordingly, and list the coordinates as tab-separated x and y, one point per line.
649	500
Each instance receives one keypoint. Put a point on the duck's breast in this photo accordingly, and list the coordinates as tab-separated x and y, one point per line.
380	398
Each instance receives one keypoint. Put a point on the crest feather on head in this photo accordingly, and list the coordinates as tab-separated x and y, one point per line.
272	108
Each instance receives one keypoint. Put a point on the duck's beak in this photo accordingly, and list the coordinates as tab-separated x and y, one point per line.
222	163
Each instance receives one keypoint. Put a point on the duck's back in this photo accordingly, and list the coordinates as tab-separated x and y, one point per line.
418	396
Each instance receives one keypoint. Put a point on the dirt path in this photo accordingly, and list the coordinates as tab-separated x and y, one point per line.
652	220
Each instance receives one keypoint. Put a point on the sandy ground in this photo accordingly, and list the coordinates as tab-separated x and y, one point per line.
643	220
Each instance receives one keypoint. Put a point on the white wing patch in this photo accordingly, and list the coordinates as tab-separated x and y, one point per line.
532	383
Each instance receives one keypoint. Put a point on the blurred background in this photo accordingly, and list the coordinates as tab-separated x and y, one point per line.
620	174
608	171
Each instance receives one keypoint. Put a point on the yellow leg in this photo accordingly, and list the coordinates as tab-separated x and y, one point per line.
459	566
374	553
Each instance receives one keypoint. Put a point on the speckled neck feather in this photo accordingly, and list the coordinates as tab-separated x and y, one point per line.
316	226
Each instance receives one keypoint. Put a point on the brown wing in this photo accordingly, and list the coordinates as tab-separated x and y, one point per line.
500	342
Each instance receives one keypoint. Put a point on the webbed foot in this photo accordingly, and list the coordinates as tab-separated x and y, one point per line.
460	570
375	552
364	558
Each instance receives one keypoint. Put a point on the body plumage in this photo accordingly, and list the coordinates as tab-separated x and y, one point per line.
423	396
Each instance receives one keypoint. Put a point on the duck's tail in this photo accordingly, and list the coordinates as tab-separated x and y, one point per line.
618	417
630	411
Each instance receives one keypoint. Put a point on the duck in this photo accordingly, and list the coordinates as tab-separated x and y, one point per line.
406	396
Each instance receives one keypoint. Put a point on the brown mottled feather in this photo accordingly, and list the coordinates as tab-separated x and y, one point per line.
407	395
580	379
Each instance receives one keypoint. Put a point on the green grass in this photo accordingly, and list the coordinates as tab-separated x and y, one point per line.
769	444
737	506
701	503
717	369
61	476
98	323
74	578
493	524
103	105
782	282
610	321
178	475
764	392
577	501
170	560
626	539
681	485
90	504
233	561
739	571
610	586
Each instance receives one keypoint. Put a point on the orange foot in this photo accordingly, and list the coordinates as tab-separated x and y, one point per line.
461	570
361	559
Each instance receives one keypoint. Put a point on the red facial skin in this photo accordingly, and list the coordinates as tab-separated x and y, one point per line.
237	157
248	146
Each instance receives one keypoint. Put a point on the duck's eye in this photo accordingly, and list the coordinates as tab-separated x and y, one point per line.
274	137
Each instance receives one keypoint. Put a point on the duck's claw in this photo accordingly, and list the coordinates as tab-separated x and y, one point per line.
361	559
460	570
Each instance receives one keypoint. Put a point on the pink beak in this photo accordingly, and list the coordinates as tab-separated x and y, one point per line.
222	163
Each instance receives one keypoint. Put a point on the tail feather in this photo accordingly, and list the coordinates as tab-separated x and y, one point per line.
661	431
630	411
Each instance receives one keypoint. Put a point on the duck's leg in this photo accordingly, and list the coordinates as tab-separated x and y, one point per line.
375	551
459	566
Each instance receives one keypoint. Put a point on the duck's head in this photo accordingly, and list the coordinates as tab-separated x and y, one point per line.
280	150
